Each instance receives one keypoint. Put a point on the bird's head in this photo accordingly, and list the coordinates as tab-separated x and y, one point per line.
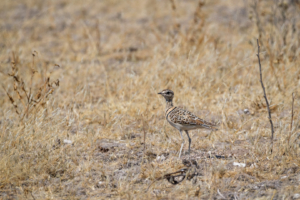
168	94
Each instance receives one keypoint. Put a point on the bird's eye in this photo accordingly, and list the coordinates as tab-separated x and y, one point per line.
168	93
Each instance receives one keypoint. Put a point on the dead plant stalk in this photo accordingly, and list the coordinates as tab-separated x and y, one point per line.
265	96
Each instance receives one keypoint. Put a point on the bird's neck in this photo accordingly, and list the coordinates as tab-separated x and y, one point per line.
169	104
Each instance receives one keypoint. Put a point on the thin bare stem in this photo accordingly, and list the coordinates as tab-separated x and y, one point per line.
12	101
265	96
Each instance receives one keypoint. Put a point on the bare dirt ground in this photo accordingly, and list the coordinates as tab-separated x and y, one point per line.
81	118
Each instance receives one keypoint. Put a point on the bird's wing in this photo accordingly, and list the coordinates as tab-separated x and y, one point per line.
184	117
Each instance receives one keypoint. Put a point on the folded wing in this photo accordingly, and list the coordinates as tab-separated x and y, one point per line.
184	117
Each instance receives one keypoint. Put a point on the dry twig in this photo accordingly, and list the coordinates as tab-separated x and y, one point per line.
32	100
265	96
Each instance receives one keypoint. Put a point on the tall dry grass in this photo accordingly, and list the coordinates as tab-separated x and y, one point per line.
83	136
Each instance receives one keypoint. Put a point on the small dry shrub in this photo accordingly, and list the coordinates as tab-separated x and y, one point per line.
28	98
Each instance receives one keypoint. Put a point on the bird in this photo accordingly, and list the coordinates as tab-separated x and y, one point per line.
181	119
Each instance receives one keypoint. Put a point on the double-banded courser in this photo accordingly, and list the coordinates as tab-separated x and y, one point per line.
181	119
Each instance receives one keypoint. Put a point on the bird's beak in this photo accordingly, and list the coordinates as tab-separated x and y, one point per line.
159	93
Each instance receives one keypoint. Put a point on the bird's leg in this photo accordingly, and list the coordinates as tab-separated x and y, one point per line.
182	143
190	141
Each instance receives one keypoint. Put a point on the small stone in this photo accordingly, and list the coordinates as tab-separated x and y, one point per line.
158	158
296	196
239	164
246	111
67	142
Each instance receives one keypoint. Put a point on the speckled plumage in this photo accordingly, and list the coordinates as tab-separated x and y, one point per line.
187	120
181	119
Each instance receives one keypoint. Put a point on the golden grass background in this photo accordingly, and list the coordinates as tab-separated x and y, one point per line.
111	59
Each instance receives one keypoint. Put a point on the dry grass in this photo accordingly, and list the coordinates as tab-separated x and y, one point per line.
111	58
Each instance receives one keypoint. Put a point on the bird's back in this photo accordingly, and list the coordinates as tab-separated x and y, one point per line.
185	120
